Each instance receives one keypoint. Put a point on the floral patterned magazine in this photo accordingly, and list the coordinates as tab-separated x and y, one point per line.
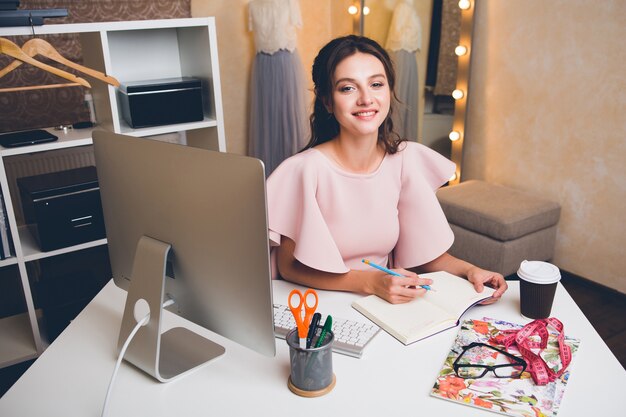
518	397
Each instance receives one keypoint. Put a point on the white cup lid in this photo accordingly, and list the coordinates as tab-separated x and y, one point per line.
539	272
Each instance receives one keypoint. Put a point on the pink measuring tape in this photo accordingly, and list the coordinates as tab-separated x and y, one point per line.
537	367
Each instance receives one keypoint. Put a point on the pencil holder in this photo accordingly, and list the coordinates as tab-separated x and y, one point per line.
311	369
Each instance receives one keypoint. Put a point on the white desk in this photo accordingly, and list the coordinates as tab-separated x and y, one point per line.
71	377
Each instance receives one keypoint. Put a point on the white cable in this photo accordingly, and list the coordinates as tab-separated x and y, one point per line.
132	334
119	360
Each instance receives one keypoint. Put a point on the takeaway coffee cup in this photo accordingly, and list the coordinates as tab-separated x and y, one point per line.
538	281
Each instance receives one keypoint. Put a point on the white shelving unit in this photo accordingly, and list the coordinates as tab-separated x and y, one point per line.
129	51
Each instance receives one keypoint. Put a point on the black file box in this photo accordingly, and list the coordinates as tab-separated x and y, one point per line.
63	208
161	102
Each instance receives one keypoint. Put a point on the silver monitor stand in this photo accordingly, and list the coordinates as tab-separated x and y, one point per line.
165	356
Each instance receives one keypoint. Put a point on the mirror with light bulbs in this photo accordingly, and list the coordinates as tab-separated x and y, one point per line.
436	35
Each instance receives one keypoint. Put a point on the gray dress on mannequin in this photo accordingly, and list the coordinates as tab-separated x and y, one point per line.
403	42
278	122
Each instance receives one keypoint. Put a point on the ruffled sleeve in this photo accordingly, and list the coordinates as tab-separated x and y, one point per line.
424	230
293	212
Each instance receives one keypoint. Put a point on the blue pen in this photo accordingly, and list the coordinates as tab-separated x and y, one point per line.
390	272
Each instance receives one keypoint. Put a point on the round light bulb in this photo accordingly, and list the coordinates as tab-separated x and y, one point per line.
465	4
460	50
353	9
454	135
366	10
458	94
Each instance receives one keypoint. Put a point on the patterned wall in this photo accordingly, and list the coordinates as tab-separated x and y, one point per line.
450	34
51	107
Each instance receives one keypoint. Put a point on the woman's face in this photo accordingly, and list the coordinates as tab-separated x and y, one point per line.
361	95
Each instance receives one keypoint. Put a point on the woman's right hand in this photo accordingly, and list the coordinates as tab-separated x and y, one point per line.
394	289
398	290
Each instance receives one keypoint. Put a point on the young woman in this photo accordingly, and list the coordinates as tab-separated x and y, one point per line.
358	191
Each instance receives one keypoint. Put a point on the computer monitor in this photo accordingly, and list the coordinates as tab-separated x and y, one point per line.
210	209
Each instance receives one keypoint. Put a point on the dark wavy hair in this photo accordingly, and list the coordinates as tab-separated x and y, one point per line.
324	126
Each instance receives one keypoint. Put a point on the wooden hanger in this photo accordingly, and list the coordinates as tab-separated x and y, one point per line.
37	46
9	48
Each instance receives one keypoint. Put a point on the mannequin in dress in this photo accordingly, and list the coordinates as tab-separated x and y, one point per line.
278	122
404	41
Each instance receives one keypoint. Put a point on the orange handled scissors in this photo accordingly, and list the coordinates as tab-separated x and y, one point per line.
302	322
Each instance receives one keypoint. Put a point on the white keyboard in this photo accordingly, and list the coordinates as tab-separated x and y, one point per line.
351	336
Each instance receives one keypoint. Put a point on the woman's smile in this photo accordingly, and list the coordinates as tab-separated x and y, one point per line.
365	114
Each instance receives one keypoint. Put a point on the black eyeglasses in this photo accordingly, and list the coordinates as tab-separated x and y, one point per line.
464	369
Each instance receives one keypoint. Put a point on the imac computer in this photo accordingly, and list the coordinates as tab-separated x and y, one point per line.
187	226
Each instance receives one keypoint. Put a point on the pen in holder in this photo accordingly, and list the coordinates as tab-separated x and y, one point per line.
311	369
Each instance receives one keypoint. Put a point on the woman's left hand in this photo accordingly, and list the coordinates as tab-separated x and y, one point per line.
480	277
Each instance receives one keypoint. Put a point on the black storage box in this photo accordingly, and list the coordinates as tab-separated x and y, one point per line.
63	208
9	4
161	102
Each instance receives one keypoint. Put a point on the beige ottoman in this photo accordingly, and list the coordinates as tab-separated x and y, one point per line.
496	227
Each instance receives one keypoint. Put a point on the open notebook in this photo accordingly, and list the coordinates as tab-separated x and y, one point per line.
434	312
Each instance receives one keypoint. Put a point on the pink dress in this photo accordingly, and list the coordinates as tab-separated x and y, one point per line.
337	218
